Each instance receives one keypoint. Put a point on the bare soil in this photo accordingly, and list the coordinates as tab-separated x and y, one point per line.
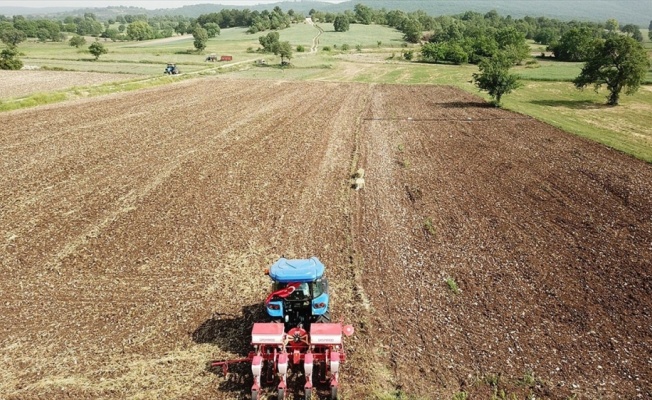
26	82
134	231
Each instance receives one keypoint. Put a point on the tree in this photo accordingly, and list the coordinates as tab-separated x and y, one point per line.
456	54
181	28
90	27
513	43
433	51
546	36
77	41
140	30
632	31
201	38
9	59
412	30
341	23
212	29
112	34
611	25
12	37
284	49
363	14
270	42
574	45
494	76
619	62
43	35
97	49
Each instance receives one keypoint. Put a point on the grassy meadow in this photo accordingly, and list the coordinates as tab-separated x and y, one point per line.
374	56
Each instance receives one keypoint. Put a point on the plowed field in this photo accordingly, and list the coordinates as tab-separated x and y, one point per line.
135	229
23	83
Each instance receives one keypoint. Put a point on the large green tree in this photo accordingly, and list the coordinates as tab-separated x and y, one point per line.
12	37
494	76
284	49
633	31
270	42
341	23
619	62
611	25
181	28
512	42
97	49
412	30
574	45
201	38
212	29
140	30
363	14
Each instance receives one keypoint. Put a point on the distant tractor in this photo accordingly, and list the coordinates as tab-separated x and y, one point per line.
212	57
172	69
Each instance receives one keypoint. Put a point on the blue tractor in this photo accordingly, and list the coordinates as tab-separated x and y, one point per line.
299	293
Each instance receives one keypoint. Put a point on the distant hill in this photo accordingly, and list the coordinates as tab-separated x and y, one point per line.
637	12
35	12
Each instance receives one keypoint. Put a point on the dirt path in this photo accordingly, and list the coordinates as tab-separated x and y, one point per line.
134	232
315	40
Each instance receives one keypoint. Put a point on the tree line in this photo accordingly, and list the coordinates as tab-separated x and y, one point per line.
142	27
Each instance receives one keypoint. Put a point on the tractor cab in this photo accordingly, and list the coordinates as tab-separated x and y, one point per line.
171	69
299	292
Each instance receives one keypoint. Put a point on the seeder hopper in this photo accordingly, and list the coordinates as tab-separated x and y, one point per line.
300	336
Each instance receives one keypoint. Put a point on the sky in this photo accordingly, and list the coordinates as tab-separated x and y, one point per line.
149	4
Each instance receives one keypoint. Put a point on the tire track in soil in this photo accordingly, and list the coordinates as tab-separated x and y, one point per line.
315	40
382	237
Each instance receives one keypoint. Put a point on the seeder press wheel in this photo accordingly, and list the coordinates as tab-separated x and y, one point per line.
334	393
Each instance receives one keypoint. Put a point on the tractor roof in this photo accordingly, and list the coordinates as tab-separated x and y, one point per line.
304	270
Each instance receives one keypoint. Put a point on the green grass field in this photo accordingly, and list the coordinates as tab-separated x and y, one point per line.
374	57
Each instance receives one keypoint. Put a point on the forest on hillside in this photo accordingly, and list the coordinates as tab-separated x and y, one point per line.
636	12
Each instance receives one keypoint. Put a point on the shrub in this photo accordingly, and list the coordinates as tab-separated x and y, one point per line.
9	59
300	49
346	47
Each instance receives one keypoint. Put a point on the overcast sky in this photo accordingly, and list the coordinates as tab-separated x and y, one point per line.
150	4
